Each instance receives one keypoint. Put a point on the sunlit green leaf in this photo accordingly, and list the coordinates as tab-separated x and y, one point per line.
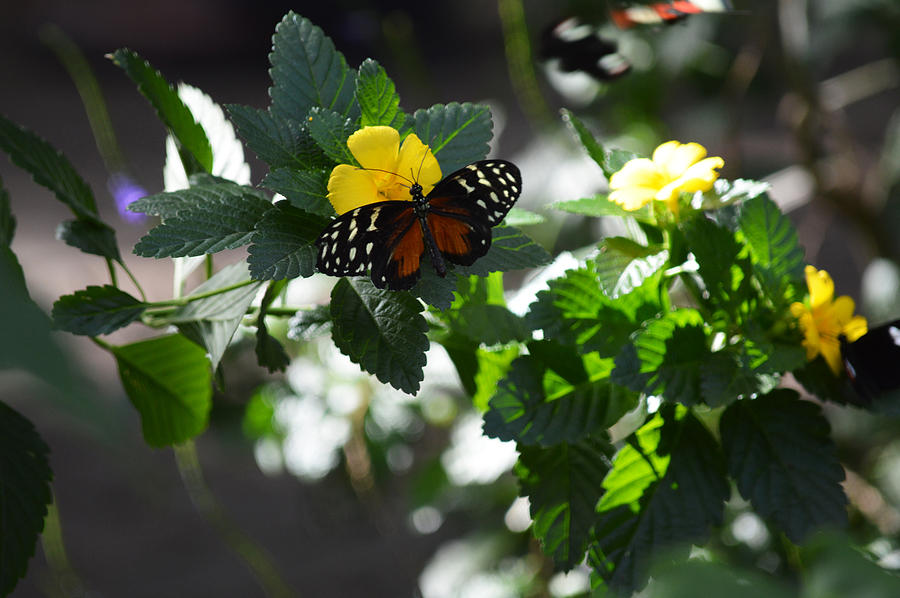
623	265
563	485
774	248
784	462
608	161
377	96
168	379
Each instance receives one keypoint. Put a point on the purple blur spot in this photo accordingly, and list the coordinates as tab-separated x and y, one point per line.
125	191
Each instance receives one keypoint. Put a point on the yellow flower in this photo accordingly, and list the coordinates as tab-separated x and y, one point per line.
675	167
825	319
386	169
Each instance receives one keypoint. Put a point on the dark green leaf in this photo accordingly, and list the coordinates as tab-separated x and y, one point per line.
841	569
818	379
609	162
96	310
624	265
204	191
537	404
510	250
381	330
458	134
207	226
193	144
168	380
575	311
665	358
282	246
780	453
270	354
666	488
279	142
563	485
7	220
308	72
436	291
310	323
305	189
377	97
723	379
716	252
90	236
682	579
330	131
774	248
490	324
48	167
25	478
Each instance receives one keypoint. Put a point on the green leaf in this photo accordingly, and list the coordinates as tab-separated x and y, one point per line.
716	252
609	162
381	330
780	453
724	379
308	72
270	354
96	310
48	167
665	490
7	220
458	134
204	190
681	580
563	485
193	144
308	324
841	569
330	131
282	246
279	142
490	324
168	380
575	311
519	217
600	206
224	219
25	494
623	265
90	236
555	395
377	96
774	248
305	189
493	365
665	358
510	249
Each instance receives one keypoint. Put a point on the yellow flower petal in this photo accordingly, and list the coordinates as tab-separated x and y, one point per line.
821	287
350	187
632	198
639	172
832	353
375	147
855	328
416	163
842	308
676	159
701	176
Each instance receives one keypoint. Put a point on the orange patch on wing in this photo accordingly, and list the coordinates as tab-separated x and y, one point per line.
408	252
450	234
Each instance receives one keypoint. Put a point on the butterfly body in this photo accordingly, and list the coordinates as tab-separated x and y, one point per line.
389	239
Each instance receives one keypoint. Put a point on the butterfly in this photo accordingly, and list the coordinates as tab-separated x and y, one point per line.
872	361
626	15
575	46
452	224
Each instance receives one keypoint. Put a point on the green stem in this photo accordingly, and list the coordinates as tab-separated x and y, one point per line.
209	266
68	583
113	279
254	556
521	63
182	301
134	281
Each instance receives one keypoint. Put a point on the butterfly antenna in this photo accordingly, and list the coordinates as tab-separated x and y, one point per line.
411	182
421	164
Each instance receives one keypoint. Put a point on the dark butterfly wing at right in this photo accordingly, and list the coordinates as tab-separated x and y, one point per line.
873	361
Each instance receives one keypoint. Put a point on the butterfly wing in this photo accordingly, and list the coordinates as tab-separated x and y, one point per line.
464	206
383	237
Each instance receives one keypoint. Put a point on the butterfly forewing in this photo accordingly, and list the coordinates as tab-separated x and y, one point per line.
488	186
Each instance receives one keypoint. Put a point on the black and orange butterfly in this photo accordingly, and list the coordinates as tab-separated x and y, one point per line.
452	224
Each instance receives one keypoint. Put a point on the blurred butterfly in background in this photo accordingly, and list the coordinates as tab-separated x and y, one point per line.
389	239
574	46
872	361
627	14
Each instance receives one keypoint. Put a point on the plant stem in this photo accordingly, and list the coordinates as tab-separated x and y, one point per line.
113	279
181	301
254	556
68	583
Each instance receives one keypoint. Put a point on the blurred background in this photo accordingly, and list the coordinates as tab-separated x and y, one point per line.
351	488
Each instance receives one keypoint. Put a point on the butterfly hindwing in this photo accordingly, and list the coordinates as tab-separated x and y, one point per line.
488	186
